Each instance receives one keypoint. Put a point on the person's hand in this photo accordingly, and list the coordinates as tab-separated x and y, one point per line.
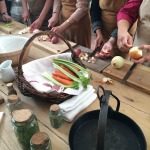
25	16
125	41
53	20
99	39
58	29
36	24
6	18
106	50
145	57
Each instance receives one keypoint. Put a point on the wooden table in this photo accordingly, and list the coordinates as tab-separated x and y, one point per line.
134	104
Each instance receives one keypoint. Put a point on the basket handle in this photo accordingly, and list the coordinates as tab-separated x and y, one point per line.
104	99
48	33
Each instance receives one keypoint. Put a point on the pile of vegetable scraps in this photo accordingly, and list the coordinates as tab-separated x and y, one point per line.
68	74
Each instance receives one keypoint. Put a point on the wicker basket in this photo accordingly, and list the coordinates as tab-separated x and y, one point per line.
25	87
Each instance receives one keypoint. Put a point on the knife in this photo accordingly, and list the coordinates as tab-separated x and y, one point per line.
128	73
96	49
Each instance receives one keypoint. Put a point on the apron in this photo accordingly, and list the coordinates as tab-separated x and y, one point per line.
143	31
109	10
79	32
35	7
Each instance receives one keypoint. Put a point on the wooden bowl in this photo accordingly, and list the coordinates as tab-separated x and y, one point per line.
11	47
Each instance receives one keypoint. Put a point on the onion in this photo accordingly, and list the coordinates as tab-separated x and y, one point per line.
54	40
36	31
77	51
117	62
135	53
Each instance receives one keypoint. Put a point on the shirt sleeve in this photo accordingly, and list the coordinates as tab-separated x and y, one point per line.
82	8
95	13
130	11
57	6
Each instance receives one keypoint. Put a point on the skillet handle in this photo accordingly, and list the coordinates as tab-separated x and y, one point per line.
102	117
116	98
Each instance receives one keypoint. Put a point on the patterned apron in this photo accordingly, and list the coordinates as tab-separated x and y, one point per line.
79	32
109	10
143	30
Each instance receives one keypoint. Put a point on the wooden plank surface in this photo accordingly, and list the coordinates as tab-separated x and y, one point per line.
100	63
139	78
14	27
48	47
135	104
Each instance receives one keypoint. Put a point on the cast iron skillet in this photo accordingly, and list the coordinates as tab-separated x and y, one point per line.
106	129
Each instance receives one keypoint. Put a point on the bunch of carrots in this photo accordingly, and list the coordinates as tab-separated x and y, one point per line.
62	78
68	74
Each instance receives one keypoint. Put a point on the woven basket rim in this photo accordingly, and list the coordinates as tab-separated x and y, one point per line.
26	88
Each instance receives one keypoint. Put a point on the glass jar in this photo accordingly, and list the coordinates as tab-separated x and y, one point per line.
55	116
13	103
25	125
11	89
40	141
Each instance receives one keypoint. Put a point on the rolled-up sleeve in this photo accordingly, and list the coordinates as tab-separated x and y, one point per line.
82	8
130	11
95	12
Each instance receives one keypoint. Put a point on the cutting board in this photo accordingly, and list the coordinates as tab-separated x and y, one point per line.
48	47
99	65
139	79
11	28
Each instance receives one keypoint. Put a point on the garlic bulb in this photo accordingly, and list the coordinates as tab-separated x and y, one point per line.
117	62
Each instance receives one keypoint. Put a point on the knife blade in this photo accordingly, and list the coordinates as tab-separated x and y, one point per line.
128	73
96	49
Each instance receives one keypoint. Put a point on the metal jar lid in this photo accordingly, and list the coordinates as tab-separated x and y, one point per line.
12	98
39	138
21	115
9	85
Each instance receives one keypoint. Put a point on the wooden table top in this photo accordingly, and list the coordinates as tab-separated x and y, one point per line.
134	104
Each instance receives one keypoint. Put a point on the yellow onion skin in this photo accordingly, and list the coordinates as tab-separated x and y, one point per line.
117	62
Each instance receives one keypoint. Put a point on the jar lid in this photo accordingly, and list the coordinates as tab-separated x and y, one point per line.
21	115
9	85
54	108
39	138
12	98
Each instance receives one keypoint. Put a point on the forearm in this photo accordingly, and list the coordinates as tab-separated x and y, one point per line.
123	26
3	8
24	5
82	8
45	10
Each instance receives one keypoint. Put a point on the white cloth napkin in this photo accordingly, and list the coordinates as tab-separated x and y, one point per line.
33	70
71	107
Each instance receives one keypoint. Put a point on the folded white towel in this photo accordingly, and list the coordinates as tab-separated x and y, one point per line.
73	102
70	115
71	107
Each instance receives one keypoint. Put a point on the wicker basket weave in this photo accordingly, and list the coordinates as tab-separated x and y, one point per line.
26	88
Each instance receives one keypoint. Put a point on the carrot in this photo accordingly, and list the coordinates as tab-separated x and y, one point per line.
62	75
63	81
68	70
75	67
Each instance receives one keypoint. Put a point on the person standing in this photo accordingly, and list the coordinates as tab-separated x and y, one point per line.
126	17
3	11
39	12
104	25
71	18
